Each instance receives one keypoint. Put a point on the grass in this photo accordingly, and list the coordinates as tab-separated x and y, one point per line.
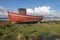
29	30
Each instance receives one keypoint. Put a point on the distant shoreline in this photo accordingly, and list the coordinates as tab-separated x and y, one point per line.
5	19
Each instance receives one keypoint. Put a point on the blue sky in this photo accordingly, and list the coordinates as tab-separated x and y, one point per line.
15	4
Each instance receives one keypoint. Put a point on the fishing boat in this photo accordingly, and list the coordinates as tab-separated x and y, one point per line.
18	18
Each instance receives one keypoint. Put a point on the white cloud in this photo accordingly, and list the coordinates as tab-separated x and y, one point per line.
29	10
44	10
3	11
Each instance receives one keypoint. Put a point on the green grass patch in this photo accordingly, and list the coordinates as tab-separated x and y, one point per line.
12	30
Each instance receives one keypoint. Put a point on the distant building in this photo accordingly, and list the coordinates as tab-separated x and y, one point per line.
22	11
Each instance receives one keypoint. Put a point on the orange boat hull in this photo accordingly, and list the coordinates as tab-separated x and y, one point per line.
14	17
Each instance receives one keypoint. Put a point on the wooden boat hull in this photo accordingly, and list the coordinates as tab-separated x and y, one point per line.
14	17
